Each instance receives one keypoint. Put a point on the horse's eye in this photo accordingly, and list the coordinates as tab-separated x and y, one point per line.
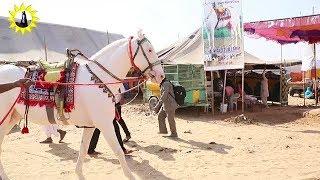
150	50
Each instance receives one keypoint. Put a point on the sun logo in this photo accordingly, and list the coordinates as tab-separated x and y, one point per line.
26	16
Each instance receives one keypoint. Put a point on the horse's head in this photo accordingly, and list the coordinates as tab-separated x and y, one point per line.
143	57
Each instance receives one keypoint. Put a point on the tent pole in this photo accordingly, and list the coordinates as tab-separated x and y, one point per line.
304	84
281	76
45	48
316	75
242	81
212	95
224	88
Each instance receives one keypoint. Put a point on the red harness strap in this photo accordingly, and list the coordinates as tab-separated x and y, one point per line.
131	55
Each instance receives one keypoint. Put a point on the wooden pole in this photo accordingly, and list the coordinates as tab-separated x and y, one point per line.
281	76
304	86
224	88
242	81
212	94
316	75
315	67
108	39
45	48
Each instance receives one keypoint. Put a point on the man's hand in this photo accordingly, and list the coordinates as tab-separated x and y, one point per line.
24	82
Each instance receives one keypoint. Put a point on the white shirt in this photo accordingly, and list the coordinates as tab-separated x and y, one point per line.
119	96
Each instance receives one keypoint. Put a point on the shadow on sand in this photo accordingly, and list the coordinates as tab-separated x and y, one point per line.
163	153
144	170
63	151
310	132
218	148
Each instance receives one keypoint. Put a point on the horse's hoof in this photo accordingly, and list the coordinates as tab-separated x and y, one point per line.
78	171
4	177
130	176
80	175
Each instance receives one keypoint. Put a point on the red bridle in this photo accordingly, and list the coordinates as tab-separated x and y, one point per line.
131	55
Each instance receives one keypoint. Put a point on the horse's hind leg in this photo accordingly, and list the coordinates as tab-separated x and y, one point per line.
86	137
109	134
4	130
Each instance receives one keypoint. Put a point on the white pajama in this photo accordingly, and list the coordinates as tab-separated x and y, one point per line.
50	130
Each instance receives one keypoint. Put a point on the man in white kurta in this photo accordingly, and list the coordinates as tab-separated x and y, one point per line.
53	129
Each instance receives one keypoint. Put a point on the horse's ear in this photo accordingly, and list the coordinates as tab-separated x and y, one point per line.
140	34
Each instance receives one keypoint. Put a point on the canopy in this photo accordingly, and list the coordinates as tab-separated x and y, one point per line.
289	30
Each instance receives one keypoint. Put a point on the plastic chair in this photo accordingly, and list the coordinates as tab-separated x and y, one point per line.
234	101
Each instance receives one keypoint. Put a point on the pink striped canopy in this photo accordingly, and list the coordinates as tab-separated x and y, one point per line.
289	30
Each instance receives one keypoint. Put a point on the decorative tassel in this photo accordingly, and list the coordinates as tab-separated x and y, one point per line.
25	130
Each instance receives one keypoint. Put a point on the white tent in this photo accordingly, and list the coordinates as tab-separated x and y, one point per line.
16	47
190	51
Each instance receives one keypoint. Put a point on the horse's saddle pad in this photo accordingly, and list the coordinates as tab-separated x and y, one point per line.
52	70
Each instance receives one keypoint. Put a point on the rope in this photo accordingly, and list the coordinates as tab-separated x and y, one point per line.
138	86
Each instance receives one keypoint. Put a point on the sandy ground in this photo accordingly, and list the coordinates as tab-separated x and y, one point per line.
276	143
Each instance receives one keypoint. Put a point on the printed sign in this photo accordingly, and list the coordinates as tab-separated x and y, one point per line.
223	35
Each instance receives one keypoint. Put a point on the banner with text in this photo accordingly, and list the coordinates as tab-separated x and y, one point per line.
223	35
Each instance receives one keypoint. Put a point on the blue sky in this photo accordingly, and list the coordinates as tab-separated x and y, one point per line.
163	21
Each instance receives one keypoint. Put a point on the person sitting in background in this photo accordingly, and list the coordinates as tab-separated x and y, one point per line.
229	91
308	94
249	100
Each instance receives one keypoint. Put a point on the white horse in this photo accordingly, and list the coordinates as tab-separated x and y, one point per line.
93	107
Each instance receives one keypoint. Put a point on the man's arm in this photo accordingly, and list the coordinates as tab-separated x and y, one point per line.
9	86
165	94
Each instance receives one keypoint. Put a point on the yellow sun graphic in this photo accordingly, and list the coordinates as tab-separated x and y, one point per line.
23	26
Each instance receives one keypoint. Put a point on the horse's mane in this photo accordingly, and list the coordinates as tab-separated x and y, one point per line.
108	48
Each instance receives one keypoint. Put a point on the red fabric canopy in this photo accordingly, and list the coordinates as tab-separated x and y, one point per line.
289	30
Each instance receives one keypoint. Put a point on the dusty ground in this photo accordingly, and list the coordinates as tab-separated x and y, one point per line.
277	143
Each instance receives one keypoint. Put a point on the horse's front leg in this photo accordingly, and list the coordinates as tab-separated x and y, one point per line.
4	130
86	137
108	131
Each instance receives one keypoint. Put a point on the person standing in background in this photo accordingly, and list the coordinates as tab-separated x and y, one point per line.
96	133
167	106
